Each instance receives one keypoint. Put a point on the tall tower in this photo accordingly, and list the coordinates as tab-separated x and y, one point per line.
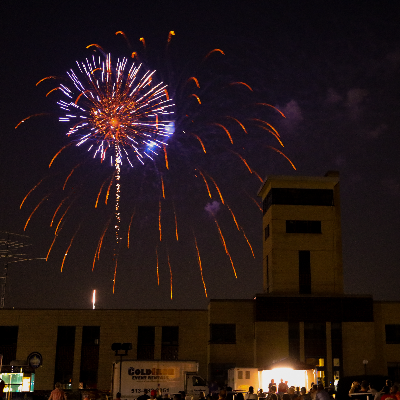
302	251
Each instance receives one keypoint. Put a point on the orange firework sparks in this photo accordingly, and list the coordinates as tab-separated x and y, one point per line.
23	201
197	97
194	79
241	83
47	77
170	272
159	218
99	244
62	217
226	130
284	155
162	187
98	195
216	186
95	45
266	123
41	201
213	51
80	95
273	133
143	42
129	228
58	152
115	273
244	161
51	246
31	116
165	156
257	175
254	201
70	244
201	142
109	186
205	181
199	260
233	216
158	276
269	105
242	126
247	240
55	212
224	243
166	93
69	176
126	39
170	34
52	90
176	222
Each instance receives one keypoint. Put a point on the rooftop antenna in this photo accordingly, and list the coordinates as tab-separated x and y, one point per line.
12	249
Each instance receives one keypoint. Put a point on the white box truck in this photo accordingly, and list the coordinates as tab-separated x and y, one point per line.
170	377
240	379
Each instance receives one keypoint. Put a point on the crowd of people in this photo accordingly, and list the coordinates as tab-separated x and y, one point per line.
283	391
389	391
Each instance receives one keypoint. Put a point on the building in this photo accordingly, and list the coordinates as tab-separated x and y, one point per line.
303	312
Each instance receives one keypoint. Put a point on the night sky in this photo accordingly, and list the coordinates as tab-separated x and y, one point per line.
332	68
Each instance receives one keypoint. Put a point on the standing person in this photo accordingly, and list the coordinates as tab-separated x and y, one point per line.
322	394
2	385
282	388
251	395
144	396
58	393
272	383
272	395
304	395
313	391
118	396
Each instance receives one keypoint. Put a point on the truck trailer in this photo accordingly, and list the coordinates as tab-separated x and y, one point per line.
132	377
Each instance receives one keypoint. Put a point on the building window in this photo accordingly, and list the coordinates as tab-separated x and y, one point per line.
145	343
298	197
89	356
300	226
223	333
65	356
170	343
266	232
8	343
392	334
304	272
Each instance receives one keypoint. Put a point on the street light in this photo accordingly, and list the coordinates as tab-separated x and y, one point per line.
121	349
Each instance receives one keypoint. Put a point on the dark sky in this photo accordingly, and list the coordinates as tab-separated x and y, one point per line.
332	68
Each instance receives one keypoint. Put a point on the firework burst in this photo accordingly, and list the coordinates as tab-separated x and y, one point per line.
160	137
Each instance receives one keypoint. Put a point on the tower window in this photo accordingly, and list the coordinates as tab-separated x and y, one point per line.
266	232
304	272
300	226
